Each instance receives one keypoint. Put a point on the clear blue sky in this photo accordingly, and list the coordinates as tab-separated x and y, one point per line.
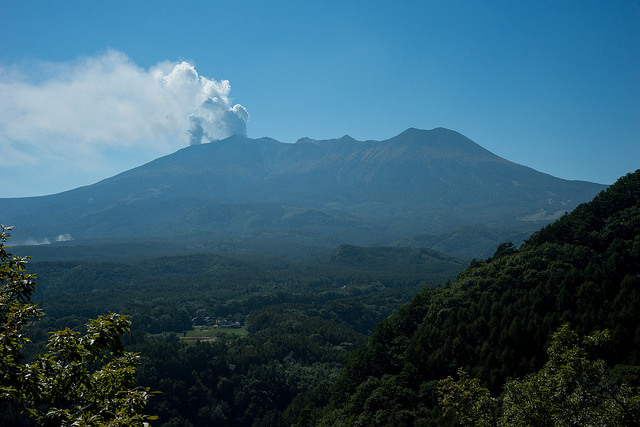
89	89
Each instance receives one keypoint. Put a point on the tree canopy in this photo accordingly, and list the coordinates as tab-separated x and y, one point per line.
495	320
82	379
574	387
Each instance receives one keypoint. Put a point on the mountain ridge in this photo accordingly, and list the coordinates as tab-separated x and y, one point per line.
418	182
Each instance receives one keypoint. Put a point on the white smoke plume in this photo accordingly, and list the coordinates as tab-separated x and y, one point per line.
64	237
93	106
36	242
45	241
211	114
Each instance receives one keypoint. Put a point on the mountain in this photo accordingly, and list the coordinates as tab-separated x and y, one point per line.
241	193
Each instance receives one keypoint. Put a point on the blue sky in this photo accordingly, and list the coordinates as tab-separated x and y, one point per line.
90	89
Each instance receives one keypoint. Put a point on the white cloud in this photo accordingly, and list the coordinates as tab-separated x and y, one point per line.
94	107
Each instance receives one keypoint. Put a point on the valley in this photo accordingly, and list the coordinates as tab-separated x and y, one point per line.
348	298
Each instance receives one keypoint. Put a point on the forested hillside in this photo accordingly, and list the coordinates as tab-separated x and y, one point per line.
259	341
496	320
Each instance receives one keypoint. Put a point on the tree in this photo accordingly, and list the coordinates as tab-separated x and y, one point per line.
573	388
83	379
467	399
504	249
16	312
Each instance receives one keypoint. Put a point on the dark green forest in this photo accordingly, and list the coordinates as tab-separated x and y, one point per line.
366	336
496	320
298	323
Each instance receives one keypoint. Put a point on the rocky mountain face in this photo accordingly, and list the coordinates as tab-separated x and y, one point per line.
418	188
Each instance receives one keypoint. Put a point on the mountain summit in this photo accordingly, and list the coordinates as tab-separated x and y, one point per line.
411	189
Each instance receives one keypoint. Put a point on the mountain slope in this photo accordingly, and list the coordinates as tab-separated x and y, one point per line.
419	182
495	320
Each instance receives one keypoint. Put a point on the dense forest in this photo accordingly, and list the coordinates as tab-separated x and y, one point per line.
367	336
238	340
358	286
496	320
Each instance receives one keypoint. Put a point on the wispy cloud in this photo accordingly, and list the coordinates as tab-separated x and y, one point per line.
91	107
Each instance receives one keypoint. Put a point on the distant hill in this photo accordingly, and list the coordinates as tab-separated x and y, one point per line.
248	194
391	261
496	319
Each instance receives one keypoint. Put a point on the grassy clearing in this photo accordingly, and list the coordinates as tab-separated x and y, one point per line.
208	332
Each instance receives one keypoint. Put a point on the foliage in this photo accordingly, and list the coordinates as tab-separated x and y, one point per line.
573	388
82	379
85	379
280	373
303	321
16	313
467	399
165	294
496	319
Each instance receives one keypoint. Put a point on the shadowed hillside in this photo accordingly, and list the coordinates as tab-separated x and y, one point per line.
496	319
